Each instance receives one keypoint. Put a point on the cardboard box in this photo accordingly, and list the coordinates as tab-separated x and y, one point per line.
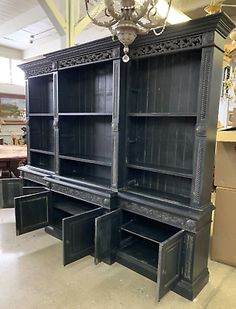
223	247
225	159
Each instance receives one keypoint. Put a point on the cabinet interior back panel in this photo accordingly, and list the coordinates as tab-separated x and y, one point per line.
86	137
41	94
41	133
86	89
42	161
165	83
162	142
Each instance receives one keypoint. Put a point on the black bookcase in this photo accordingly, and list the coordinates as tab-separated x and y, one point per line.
121	155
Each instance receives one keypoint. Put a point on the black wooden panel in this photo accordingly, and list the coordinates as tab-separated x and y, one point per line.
41	94
32	190
9	189
150	92
31	212
107	236
169	264
86	137
86	89
78	235
41	133
43	161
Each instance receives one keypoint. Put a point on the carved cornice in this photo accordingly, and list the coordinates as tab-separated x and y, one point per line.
38	67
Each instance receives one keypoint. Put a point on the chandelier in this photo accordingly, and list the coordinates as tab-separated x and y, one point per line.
127	19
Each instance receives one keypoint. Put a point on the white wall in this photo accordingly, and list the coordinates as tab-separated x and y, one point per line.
12	89
10	52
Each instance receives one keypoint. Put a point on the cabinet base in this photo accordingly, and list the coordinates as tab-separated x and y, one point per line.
190	290
54	232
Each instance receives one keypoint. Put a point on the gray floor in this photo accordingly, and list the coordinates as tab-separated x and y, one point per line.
32	276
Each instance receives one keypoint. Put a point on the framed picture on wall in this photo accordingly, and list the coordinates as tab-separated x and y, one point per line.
12	118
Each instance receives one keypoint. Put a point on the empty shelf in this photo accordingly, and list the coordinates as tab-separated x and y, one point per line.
85	114
98	161
148	231
162	170
72	208
159	195
42	151
162	115
41	114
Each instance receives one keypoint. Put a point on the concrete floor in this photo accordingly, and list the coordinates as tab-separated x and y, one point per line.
32	276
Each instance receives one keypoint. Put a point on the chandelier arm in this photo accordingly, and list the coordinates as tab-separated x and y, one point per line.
107	24
149	26
110	7
142	12
164	19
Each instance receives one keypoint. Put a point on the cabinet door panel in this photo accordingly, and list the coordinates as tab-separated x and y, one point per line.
169	264
31	212
107	236
9	189
78	235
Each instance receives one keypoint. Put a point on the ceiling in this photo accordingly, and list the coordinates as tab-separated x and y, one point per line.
22	19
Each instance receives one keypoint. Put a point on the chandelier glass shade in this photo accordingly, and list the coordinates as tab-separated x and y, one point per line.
127	19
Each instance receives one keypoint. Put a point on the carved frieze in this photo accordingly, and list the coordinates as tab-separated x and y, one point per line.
82	195
162	216
39	70
34	178
86	58
167	46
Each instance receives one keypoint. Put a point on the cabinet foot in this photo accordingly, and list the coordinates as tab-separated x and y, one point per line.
190	290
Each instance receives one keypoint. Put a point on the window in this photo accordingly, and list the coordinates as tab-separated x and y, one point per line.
5	76
9	72
17	75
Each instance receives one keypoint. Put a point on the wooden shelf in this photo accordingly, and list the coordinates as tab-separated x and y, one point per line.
158	196
41	115
86	160
85	114
162	115
42	151
71	207
88	180
162	170
147	231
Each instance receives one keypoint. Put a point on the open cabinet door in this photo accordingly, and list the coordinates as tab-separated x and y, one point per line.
107	237
31	212
9	189
78	235
169	262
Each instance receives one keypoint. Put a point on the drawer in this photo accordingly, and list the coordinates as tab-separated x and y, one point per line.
146	246
35	177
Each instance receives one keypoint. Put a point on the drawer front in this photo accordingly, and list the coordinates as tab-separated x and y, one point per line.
93	198
34	178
